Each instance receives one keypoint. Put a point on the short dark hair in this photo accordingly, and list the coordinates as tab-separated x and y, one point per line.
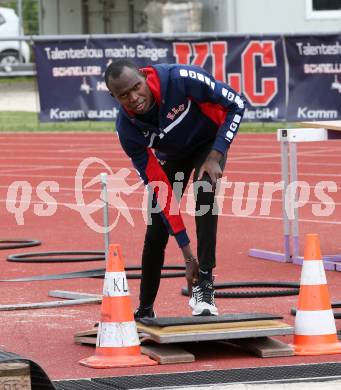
115	69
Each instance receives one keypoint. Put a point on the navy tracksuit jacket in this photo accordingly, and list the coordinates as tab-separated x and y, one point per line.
194	109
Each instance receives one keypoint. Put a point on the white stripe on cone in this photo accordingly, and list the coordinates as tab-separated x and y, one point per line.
115	284
314	323
117	334
313	273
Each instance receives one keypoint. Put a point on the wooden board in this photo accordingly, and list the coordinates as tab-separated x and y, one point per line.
45	305
330	125
167	353
90	337
72	294
220	331
90	332
196	320
264	346
87	340
202	332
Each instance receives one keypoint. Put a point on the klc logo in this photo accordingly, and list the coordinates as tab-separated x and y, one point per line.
175	111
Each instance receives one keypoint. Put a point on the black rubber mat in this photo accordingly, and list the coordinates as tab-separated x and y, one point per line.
67	275
56	257
82	385
193	320
39	379
98	273
259	374
279	374
17	243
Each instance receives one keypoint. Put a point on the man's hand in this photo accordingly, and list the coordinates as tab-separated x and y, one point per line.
192	267
211	167
192	273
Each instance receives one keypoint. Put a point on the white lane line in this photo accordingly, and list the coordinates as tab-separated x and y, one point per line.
184	213
108	147
228	172
30	169
70	144
251	160
70	192
32	158
26	153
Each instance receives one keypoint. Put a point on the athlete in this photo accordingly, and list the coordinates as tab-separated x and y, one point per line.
189	120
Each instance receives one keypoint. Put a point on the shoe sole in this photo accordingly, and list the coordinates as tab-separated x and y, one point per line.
207	310
204	313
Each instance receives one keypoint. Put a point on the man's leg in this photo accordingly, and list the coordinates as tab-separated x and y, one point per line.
153	256
155	243
206	228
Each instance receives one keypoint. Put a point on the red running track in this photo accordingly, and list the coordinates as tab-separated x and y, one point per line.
38	160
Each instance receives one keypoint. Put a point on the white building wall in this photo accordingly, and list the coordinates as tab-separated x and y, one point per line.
228	16
263	16
277	16
61	17
117	17
71	21
49	17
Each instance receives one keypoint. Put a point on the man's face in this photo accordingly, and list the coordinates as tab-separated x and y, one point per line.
130	89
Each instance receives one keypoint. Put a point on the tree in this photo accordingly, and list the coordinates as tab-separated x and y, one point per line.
30	12
30	16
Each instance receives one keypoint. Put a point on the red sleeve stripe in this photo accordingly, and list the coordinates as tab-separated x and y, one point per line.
215	112
156	174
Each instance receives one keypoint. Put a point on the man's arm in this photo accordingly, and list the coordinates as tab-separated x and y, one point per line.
217	100
220	103
154	176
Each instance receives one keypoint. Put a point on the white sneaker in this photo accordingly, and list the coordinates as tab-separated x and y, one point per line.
202	301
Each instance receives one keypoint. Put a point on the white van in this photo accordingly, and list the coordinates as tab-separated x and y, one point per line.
9	50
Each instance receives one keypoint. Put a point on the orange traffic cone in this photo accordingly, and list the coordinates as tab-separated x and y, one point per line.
118	344
315	331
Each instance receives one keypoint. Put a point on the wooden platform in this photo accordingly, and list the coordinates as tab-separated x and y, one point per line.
330	125
166	344
220	331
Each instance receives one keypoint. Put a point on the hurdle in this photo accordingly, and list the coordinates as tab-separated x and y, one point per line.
289	138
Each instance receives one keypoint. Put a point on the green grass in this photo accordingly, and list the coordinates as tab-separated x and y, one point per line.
16	121
17	79
262	127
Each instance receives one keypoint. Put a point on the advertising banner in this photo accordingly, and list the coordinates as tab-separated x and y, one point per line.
283	78
71	73
314	77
